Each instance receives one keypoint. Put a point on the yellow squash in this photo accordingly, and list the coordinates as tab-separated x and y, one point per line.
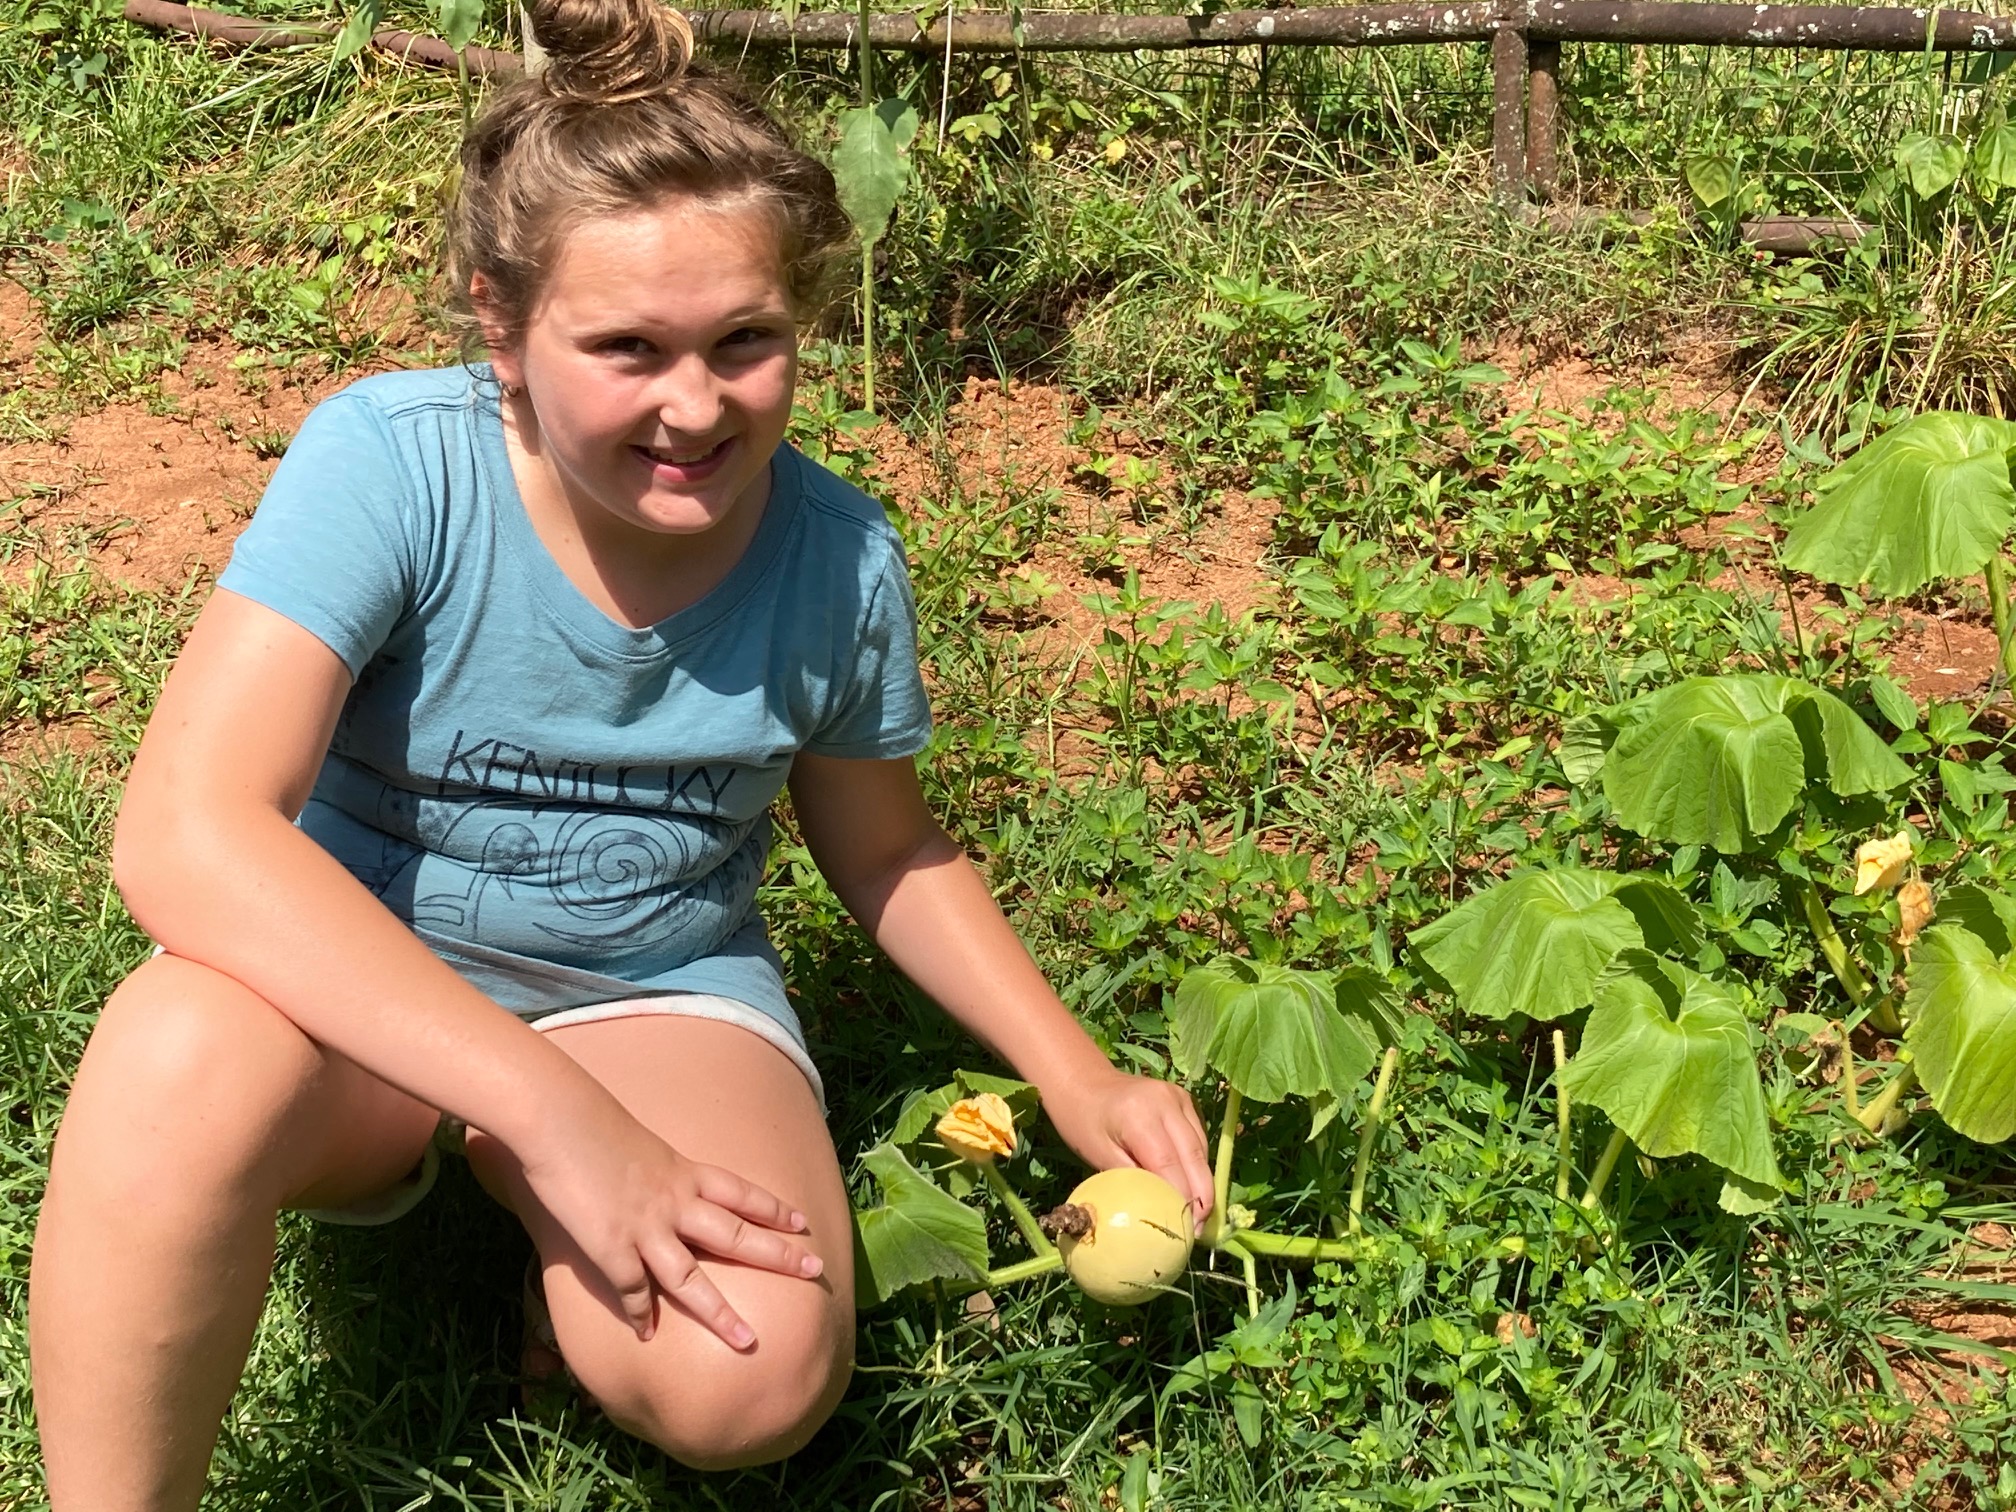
1129	1238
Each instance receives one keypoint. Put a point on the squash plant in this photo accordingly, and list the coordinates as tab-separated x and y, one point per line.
1666	1053
1757	769
1270	1032
1928	500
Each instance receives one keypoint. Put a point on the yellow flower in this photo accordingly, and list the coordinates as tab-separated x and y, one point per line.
978	1128
1881	863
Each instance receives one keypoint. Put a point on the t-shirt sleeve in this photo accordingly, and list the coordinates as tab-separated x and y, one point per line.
881	710
331	545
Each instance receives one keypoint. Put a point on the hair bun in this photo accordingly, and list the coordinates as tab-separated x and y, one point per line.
603	52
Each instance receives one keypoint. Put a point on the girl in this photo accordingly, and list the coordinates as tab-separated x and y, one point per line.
455	804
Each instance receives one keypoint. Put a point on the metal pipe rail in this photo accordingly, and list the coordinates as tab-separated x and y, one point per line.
1658	22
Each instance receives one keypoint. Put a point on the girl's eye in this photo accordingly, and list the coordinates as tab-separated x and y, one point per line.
626	346
748	336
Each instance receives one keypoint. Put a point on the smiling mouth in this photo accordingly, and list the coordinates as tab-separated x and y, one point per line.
672	458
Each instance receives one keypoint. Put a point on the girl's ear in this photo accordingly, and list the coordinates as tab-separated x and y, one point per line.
503	351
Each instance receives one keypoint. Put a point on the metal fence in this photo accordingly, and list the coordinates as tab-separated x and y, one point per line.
1802	78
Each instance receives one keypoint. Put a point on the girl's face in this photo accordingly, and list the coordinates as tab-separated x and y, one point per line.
659	364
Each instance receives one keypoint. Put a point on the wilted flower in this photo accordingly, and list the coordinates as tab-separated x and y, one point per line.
1881	863
1914	910
978	1128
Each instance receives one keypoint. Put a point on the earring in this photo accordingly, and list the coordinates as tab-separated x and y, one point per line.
510	390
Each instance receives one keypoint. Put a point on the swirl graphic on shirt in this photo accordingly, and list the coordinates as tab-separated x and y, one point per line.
599	882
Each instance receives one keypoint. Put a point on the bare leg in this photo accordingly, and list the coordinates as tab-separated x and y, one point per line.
199	1112
718	1094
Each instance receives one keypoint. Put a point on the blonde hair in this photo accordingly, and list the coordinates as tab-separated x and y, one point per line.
621	118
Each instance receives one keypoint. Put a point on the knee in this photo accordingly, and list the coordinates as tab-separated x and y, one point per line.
747	1410
179	1047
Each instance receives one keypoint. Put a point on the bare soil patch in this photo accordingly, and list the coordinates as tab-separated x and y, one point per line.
1020	439
153	493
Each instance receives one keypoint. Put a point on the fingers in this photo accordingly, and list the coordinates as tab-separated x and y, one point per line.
722	1234
635	1295
689	1288
1172	1144
742	1196
1193	1147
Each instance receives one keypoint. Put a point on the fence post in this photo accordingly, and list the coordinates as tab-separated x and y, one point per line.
1543	116
1508	115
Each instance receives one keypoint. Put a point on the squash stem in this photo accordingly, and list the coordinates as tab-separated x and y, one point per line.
1023	1270
1842	964
1851	1094
1564	1160
1295	1248
1216	1230
1252	1269
1998	606
1024	1219
1604	1166
1879	1107
1387	1067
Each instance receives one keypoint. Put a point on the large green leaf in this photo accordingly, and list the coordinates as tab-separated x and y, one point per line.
1721	760
1711	760
1989	914
917	1233
1536	942
1961	1004
459	20
1927	500
1711	175
358	28
1852	757
1995	158
1669	1055
869	169
1930	163
1275	1032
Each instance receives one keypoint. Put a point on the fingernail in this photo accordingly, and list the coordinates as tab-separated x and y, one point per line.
810	1266
744	1336
798	1222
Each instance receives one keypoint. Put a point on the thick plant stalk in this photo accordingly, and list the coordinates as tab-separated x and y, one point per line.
1604	1166
868	243
1384	1085
1024	1219
1998	606
1295	1248
1216	1230
1564	1159
1879	1107
1851	1093
1842	964
1022	1270
1251	1267
868	326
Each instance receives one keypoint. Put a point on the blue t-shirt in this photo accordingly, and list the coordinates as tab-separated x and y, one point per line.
566	809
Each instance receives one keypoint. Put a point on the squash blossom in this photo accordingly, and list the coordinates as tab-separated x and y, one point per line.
1914	910
1881	863
978	1128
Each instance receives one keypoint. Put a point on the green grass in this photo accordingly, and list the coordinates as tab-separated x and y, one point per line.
1335	233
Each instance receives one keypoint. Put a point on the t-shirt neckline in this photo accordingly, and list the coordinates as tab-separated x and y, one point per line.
557	592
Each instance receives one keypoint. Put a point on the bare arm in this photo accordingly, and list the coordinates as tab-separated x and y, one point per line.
913	889
213	867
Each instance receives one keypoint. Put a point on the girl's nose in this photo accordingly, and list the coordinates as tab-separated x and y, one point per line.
689	399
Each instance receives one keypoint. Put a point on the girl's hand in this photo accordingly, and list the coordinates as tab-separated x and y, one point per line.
1113	1119
642	1213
